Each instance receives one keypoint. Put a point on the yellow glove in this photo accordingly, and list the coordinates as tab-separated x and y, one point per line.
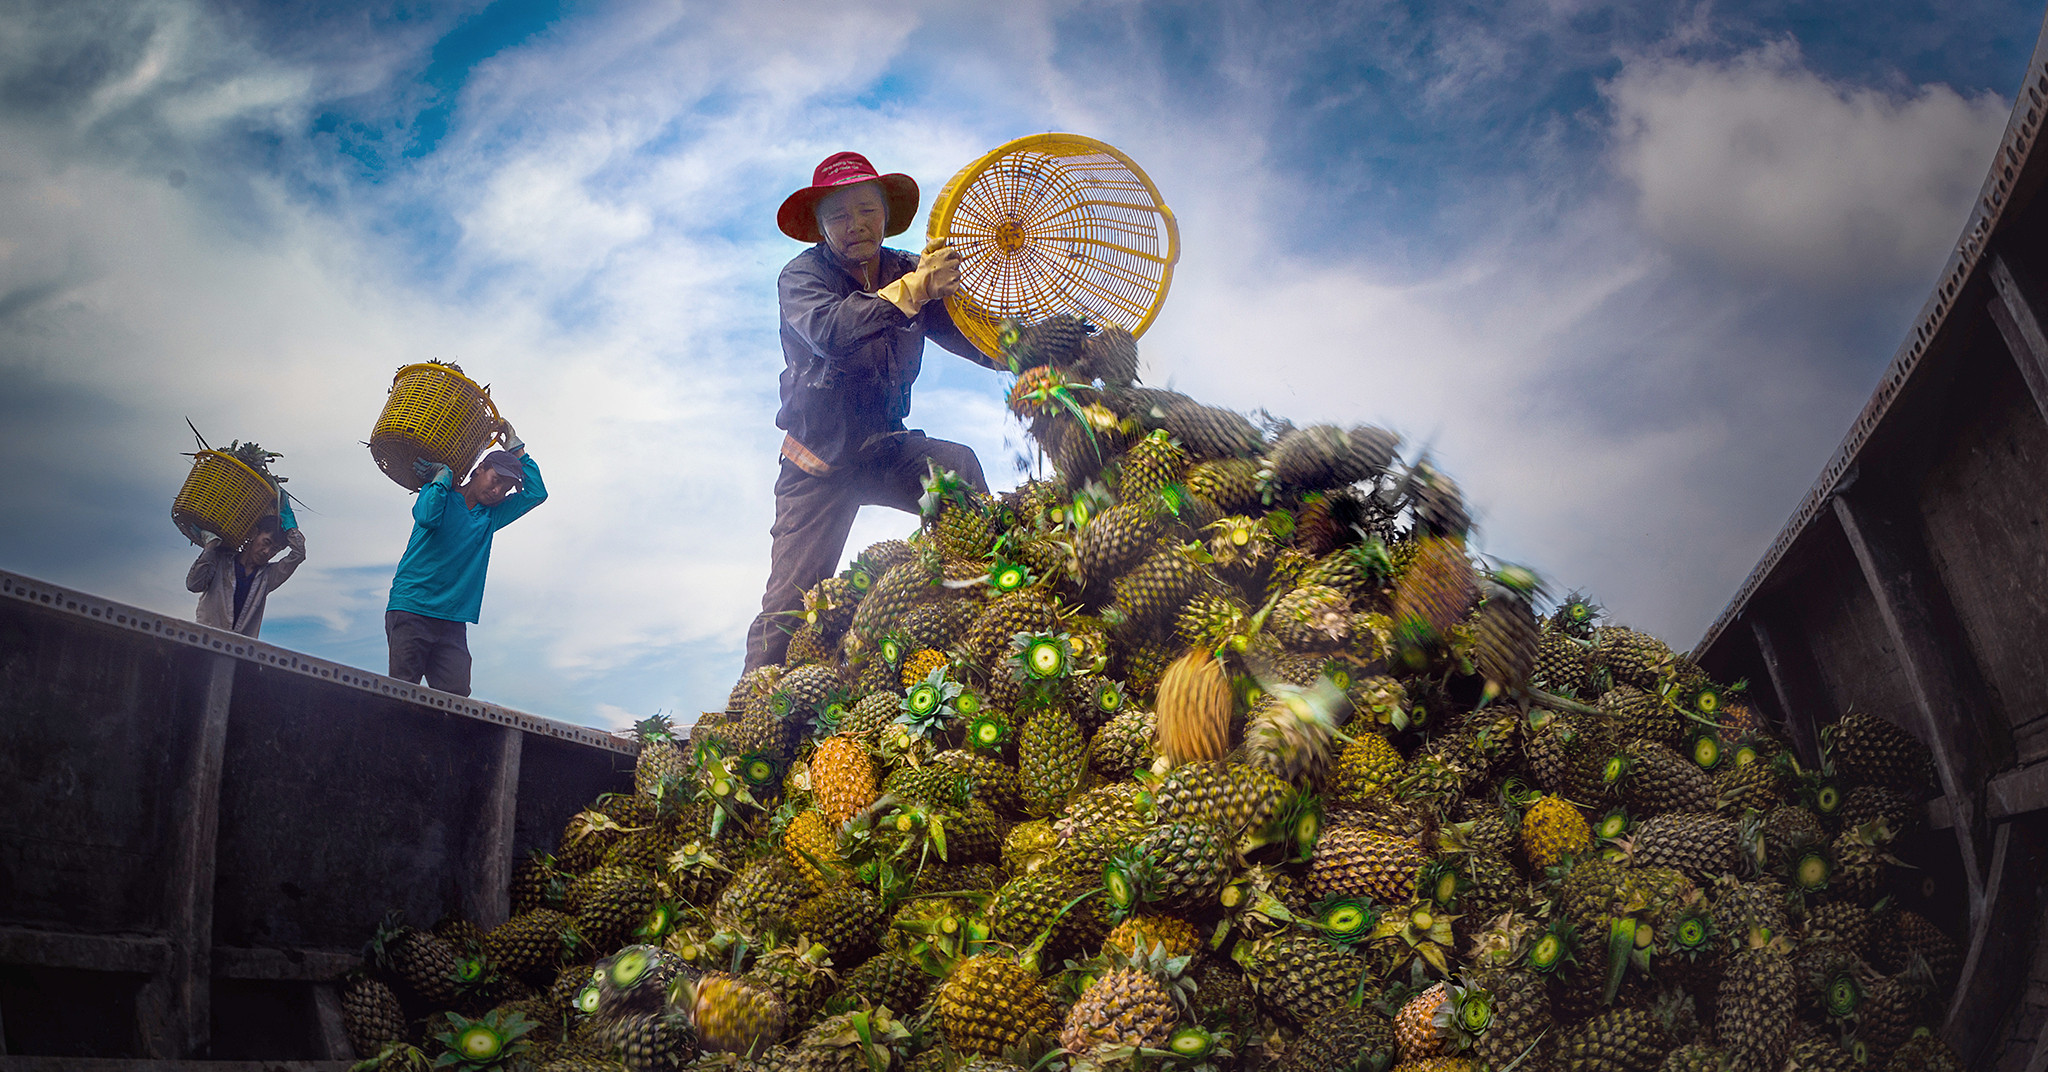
936	276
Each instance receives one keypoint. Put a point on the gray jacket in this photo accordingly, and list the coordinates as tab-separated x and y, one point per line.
213	576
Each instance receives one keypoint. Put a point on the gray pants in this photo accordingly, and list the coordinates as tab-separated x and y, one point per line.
430	648
813	514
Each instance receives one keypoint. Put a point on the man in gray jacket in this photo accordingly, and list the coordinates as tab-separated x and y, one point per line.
233	584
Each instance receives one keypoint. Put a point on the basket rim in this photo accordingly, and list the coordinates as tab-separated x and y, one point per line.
450	370
941	214
237	463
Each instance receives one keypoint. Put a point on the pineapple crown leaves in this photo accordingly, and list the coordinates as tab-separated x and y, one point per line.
655	727
485	1042
927	705
1627	941
1424	929
1128	883
943	487
1555	947
383	944
1465	1014
878	1033
692	858
1442	882
1576	616
1006	576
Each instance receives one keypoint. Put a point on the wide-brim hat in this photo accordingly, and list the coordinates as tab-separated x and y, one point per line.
798	216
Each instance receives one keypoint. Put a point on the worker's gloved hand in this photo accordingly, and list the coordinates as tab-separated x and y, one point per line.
936	276
509	437
433	472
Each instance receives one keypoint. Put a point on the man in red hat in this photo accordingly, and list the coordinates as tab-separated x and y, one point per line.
855	316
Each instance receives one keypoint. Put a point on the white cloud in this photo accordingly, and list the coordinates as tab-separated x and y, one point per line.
1765	167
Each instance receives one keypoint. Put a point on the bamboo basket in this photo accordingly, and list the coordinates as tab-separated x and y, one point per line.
221	495
1055	223
433	413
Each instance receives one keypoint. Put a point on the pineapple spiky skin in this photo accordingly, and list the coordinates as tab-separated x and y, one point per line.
1700	845
659	758
1051	758
1754	1008
846	920
1355	862
1661	780
1874	751
371	1015
1522	1027
611	901
1618	1040
994	781
1118	538
1344	1039
888	980
1151	591
1231	483
1123	1007
1189	864
1299	976
1437	588
1150	465
734	1015
421	962
1208	432
1369	764
842	777
1564	664
761	895
1415	1031
1144	932
1234	796
1123	744
1551	830
1312	618
811	845
1642	714
1630	657
528	943
989	1006
660	1040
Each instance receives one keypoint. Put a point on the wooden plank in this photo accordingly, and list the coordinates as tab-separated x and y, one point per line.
330	1033
2017	793
487	878
1795	681
1909	598
1997	959
2017	311
174	1010
86	952
284	965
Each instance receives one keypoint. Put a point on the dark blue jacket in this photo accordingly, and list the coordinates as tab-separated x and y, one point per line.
850	356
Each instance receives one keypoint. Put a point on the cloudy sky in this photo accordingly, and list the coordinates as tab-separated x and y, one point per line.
1626	270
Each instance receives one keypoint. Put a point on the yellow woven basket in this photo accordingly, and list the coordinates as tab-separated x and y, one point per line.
1056	223
222	496
434	413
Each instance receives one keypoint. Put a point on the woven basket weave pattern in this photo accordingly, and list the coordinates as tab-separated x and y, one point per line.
433	413
1056	223
223	496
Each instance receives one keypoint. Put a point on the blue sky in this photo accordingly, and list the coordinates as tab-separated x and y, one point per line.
1626	270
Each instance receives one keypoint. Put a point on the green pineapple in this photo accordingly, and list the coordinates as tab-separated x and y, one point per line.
1051	757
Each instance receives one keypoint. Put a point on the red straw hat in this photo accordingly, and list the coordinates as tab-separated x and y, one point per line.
798	216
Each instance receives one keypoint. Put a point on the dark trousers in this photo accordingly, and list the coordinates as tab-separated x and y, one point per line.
813	514
431	648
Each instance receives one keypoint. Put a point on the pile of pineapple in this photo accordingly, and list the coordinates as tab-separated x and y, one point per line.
1212	747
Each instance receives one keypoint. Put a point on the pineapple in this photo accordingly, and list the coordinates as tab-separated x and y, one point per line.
1353	862
734	1015
1551	830
1150	465
371	1015
846	920
1366	765
1344	1039
1300	977
1874	751
1618	1040
660	759
887	981
989	1006
1755	1004
1703	846
842	777
1051	757
1416	1034
528	943
1123	1007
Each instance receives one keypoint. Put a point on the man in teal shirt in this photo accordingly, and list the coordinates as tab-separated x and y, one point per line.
439	585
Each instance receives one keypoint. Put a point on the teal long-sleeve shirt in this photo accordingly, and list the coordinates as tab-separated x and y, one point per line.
441	574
